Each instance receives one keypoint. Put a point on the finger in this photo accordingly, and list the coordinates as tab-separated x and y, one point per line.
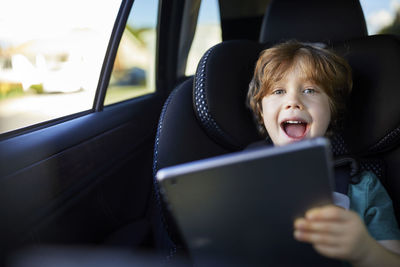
316	238
329	212
301	224
318	226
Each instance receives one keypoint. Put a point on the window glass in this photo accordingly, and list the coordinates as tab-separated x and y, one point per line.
208	33
51	53
134	67
382	16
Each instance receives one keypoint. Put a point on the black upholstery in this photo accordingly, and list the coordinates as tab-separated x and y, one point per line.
374	112
180	137
206	116
221	111
313	21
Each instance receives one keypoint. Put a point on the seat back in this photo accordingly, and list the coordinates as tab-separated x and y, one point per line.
313	21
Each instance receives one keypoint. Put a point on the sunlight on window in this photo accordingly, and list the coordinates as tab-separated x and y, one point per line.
134	67
51	54
208	33
382	16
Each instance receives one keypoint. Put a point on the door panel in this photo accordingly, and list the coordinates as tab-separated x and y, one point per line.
86	178
80	180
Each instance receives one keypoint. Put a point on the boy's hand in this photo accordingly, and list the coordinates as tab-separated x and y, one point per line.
334	232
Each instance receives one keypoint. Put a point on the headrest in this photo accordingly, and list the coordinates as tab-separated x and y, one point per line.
373	113
313	21
219	95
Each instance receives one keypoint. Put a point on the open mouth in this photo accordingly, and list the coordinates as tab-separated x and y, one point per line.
296	129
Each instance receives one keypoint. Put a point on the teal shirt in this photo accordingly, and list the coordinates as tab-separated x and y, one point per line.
371	201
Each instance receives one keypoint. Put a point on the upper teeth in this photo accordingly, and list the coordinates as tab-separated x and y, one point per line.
297	122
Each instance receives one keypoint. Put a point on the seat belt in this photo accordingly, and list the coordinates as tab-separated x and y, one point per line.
345	168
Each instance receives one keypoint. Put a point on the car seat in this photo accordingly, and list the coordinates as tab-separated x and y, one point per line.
206	115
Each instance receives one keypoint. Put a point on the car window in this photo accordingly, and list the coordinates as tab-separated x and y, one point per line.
382	16
208	33
51	54
133	74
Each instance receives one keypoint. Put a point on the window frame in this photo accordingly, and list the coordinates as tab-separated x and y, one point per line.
109	59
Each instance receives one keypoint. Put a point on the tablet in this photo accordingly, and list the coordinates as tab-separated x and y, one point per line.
238	209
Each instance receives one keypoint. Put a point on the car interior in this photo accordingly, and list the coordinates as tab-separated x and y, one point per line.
195	125
89	180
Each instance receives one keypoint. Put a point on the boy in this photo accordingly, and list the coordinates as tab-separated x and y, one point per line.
298	91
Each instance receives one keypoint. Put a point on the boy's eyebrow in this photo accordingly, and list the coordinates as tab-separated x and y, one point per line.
309	81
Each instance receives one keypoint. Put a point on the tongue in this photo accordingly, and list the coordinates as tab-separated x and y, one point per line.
295	130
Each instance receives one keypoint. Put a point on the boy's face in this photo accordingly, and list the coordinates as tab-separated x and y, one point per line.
295	109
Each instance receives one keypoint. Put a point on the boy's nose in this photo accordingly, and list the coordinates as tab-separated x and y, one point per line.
293	102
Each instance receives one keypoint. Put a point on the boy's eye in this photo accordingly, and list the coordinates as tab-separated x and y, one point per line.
309	91
278	92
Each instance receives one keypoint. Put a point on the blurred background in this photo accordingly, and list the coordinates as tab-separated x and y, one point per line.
50	63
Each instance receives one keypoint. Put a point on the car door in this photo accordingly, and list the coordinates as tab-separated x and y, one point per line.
81	177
